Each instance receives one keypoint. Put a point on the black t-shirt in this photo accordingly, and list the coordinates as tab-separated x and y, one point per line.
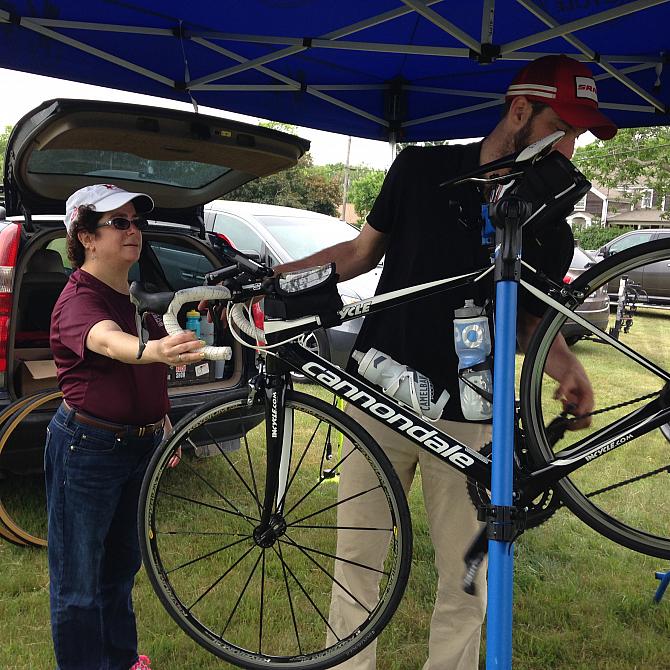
435	233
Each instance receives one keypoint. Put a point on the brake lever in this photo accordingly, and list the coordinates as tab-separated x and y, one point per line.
142	333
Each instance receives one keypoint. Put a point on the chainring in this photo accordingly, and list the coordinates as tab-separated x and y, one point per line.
538	510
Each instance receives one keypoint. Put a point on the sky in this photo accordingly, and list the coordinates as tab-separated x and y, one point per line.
23	92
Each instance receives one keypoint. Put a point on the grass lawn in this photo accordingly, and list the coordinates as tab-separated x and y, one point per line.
581	602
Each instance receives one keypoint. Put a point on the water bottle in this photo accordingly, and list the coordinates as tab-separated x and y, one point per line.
473	347
405	385
193	322
206	330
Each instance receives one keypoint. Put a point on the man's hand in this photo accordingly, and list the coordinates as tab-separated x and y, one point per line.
574	388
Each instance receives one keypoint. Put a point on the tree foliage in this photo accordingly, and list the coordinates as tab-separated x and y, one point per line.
364	191
300	186
595	237
304	186
4	137
635	156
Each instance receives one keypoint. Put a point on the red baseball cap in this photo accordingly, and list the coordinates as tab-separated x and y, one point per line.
567	86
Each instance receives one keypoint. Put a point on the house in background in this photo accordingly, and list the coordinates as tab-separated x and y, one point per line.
637	207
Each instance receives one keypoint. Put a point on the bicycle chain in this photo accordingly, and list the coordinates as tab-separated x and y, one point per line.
548	502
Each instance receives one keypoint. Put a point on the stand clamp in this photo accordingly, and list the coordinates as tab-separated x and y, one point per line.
504	523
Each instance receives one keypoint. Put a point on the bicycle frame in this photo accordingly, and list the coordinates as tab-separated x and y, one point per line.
422	432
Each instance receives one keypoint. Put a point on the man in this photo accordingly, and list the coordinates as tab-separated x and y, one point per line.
427	233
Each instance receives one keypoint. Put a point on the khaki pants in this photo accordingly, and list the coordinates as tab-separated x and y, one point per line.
457	617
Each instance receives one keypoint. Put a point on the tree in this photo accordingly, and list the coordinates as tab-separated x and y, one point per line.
4	138
634	157
303	186
364	191
595	237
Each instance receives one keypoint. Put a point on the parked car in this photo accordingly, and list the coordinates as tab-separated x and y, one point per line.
653	279
596	307
182	160
282	234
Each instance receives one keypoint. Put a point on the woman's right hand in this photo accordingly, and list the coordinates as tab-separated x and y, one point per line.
180	349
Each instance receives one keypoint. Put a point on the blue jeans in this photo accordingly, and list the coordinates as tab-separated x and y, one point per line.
93	481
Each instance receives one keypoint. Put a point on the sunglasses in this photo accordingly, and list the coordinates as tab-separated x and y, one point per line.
121	223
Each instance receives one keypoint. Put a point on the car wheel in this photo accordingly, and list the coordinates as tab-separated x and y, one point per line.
317	343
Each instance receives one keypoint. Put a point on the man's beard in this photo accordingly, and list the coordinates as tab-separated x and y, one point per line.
522	136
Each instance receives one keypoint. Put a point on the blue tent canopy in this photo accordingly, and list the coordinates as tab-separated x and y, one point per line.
384	69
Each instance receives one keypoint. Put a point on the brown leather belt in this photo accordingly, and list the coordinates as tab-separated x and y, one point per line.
119	429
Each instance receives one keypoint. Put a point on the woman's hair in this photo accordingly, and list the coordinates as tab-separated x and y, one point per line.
87	220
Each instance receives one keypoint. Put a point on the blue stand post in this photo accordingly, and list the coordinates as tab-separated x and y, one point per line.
665	580
501	557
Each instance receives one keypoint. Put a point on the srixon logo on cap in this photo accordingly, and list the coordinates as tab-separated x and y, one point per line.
585	87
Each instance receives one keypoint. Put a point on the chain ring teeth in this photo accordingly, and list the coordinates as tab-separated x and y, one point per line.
538	510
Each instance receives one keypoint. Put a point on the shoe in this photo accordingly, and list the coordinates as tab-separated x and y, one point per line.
143	663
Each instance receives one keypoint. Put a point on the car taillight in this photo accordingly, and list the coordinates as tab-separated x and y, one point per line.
259	317
10	236
221	236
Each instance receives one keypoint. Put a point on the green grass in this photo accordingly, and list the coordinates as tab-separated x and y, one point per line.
581	602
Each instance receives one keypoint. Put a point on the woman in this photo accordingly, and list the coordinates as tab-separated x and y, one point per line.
113	416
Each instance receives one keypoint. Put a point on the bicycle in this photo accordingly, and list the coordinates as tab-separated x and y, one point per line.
253	535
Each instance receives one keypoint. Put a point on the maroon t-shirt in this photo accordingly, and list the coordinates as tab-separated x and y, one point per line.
95	384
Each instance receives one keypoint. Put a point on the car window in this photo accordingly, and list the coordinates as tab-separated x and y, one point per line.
59	245
581	260
630	241
303	236
182	265
240	234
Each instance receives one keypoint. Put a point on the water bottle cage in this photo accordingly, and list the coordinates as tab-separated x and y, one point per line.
394	385
486	365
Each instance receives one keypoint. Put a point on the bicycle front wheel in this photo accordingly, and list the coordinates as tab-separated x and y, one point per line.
622	491
260	597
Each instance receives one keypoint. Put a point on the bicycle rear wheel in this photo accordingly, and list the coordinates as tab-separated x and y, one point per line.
261	599
622	492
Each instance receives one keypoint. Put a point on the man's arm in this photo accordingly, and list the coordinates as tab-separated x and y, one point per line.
574	388
351	258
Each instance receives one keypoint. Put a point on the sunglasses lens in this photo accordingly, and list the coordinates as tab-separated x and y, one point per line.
123	224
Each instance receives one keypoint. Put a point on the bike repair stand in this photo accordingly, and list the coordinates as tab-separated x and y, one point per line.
665	580
502	518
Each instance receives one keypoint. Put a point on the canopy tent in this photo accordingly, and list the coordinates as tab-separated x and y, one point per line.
384	69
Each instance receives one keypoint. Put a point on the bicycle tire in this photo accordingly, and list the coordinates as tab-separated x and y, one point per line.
21	409
297	568
618	494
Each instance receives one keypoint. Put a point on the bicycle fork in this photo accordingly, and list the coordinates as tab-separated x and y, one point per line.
279	442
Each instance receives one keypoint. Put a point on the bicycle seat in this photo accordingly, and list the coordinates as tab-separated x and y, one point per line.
517	163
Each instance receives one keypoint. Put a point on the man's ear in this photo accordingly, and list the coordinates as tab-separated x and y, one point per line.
520	110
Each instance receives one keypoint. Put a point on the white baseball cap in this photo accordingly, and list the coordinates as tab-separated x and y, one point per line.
103	198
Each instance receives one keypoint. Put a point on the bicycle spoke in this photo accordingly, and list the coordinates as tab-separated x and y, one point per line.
262	607
209	505
208	555
242	592
219	579
280	555
323	527
300	460
212	487
324	509
304	550
315	486
253	475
